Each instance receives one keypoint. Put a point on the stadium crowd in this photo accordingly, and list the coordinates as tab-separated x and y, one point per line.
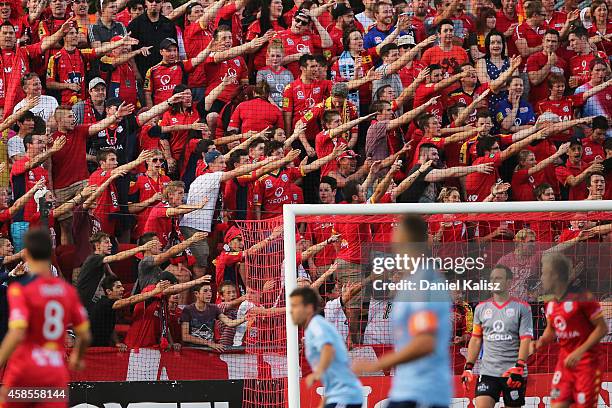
141	131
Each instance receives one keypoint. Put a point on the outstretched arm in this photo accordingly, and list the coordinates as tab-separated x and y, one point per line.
178	248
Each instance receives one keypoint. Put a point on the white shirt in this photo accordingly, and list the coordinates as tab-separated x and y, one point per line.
45	108
335	315
204	186
241	329
15	147
364	20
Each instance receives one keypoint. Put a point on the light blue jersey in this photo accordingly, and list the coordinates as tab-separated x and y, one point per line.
341	384
427	380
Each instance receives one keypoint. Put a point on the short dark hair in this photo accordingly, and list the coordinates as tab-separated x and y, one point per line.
328	115
197	288
600	122
104	153
350	189
331	181
434	67
446	21
133	3
220	29
224	284
146	237
508	271
309	297
485	144
386	49
97	237
7	24
580	32
305	58
540	189
425	146
256	142
608	144
27	76
273	145
553	32
483	114
235	157
590	177
423	120
108	283
38	244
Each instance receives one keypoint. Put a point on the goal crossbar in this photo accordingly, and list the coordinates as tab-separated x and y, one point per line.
291	211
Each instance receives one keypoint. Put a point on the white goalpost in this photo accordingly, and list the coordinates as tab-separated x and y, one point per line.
289	227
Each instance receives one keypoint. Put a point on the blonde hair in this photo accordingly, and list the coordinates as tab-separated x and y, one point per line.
446	192
522	234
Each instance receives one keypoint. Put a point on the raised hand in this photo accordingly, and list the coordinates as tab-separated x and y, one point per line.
58	144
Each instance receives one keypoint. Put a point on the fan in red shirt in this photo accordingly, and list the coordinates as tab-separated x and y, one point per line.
344	20
196	37
270	19
506	22
529	34
593	145
478	185
107	204
556	20
436	85
258	113
602	26
576	320
317	232
450	57
147	191
527	174
546	230
541	65
298	41
161	79
303	94
580	62
575	171
42	308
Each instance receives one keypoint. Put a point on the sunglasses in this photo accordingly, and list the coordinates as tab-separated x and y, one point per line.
5	4
156	160
155	1
301	22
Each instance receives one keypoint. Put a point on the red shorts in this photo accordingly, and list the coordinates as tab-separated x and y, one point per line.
579	385
20	375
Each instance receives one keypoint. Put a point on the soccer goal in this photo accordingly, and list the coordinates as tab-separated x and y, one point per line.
512	233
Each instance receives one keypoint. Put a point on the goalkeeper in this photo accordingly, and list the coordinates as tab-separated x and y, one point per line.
504	328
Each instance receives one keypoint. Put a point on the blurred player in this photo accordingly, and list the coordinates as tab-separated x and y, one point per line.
576	319
504	325
42	307
326	353
422	330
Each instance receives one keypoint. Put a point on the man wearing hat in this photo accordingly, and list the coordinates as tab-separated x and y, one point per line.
161	79
91	110
228	263
344	18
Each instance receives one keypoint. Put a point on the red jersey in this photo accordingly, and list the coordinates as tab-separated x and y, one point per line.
556	22
543	149
533	36
316	233
107	203
13	65
69	165
460	95
299	98
272	191
69	67
178	139
449	60
546	231
216	71
572	318
256	114
159	223
564	108
229	15
478	185
145	330
121	81
238	196
161	79
424	93
523	185
579	191
456	232
353	235
196	39
502	24
604	45
23	181
536	62
45	307
225	269
592	150
254	31
343	70
306	43
579	65
324	145
146	187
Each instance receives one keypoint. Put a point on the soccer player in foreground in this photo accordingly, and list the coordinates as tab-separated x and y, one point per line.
326	353
576	319
505	327
422	331
42	307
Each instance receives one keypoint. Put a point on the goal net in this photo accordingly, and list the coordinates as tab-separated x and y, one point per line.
337	248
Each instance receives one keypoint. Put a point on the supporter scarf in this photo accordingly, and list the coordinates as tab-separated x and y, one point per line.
346	66
345	115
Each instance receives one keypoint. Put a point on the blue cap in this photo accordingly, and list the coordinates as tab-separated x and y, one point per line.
211	156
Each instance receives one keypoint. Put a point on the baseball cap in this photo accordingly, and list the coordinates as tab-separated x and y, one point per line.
349	154
167	43
339	10
340	89
406	40
95	82
211	156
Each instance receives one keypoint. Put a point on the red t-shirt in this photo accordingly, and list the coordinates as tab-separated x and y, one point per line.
179	138
23	181
353	235
563	108
107	203
533	37
306	43
449	60
225	267
324	145
318	232
122	82
424	93
579	65
579	191
272	191
604	45
536	62
159	223
571	317
161	79
146	187
13	65
256	114
196	40
69	67
145	330
45	307
459	95
215	72
592	151
478	185
69	165
523	185
503	23
556	22
299	97
254	31
542	150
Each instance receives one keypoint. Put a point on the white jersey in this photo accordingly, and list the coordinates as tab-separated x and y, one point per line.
378	329
241	329
335	315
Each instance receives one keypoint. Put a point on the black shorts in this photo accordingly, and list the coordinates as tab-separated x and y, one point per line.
411	404
496	386
336	405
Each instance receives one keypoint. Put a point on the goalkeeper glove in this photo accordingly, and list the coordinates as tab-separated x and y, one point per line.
515	375
467	377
